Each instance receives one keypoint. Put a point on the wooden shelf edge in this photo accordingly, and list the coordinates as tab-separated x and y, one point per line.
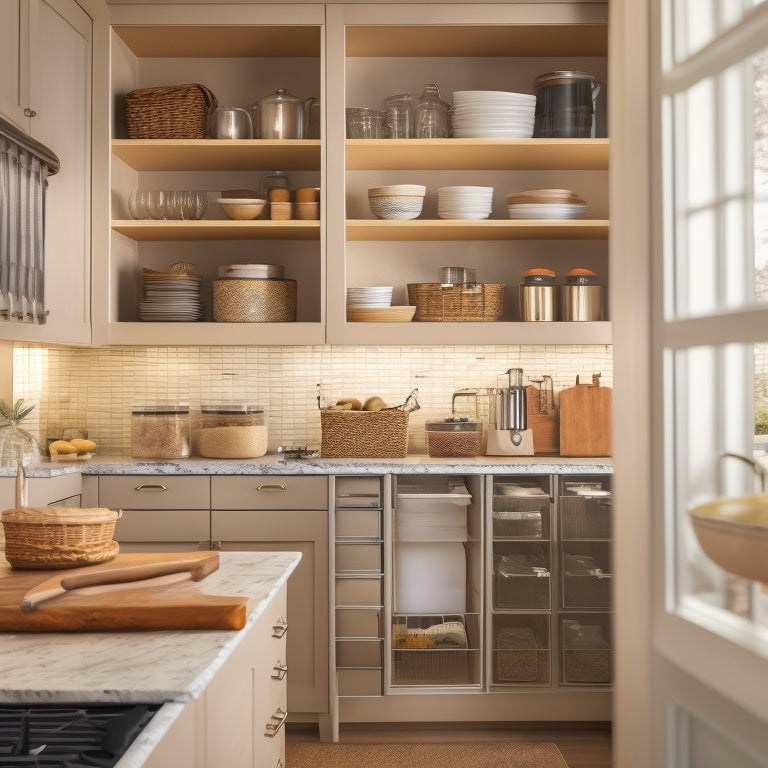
209	229
215	334
485	229
477	154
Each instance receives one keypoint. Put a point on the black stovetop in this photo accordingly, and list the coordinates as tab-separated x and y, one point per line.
69	736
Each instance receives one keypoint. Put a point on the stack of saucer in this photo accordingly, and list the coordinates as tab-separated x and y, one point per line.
493	114
546	204
170	297
464	202
375	296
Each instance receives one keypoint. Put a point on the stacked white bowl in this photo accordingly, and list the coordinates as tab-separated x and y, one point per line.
493	114
373	296
397	201
464	202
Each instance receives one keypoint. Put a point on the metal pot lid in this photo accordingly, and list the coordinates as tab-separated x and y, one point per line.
581	277
562	77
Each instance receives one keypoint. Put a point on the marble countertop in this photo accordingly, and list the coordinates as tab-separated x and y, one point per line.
139	667
275	464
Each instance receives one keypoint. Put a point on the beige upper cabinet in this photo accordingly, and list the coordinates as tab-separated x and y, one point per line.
50	89
381	50
242	54
350	55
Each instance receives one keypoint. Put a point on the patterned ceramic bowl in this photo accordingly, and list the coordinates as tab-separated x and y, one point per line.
398	201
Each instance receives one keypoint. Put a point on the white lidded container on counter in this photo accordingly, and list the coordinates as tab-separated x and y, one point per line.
430	558
233	430
160	431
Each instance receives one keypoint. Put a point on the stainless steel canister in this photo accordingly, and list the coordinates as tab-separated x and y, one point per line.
582	296
537	295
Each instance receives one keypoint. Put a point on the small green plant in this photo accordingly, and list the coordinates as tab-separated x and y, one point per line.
16	413
761	421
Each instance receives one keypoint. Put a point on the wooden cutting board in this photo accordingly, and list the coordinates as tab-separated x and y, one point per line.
165	603
545	426
585	421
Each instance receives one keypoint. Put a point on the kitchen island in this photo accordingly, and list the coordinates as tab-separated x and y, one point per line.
176	669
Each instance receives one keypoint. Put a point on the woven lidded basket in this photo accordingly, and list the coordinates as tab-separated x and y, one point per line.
169	112
59	537
252	300
465	302
364	434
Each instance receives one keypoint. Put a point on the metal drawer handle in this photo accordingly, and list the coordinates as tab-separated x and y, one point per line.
281	715
270	487
279	628
150	487
280	670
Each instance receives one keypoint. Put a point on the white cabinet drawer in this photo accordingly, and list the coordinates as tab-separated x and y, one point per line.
269	492
359	653
358	523
358	590
357	556
358	622
359	682
154	492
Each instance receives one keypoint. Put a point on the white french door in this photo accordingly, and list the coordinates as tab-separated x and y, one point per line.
691	378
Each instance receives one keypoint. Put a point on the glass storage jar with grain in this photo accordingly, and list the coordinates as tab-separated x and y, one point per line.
160	431
232	431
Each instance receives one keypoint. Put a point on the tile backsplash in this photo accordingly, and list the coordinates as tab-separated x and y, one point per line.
94	388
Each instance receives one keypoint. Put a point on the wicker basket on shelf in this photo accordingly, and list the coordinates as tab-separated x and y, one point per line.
465	302
169	112
59	537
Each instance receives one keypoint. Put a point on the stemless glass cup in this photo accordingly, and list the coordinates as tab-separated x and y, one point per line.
398	112
137	204
365	123
156	204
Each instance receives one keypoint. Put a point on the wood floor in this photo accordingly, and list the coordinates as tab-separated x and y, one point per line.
582	746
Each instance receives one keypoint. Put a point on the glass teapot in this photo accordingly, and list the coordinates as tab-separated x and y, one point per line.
281	115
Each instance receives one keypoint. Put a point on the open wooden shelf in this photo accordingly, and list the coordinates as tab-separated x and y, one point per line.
218	154
477	154
146	230
485	229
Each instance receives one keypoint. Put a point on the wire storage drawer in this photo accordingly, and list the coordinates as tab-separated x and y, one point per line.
586	649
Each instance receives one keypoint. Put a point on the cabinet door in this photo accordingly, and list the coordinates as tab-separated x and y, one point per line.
60	96
14	60
304	531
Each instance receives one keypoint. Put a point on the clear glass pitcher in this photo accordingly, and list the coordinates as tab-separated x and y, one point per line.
432	115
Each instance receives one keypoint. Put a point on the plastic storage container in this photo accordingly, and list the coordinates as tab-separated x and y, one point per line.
232	431
160	431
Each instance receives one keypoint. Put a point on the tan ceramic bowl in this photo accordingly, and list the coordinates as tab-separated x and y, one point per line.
241	208
733	532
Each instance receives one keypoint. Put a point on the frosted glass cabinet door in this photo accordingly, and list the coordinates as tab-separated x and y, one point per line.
14	58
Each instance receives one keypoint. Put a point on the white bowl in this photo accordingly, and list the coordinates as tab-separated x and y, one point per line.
241	208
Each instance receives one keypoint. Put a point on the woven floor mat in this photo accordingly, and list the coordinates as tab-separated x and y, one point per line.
495	755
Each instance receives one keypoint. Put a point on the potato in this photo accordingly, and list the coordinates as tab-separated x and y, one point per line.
374	404
353	402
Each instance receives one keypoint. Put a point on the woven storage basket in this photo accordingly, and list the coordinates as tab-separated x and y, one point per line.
468	302
169	112
59	537
364	434
251	300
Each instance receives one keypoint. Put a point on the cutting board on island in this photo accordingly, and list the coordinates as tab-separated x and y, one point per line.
166	602
585	419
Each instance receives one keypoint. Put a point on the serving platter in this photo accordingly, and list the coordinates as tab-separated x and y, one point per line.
398	314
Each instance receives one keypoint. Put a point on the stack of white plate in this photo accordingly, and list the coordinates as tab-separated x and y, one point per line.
170	297
253	271
546	204
374	296
464	202
493	114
